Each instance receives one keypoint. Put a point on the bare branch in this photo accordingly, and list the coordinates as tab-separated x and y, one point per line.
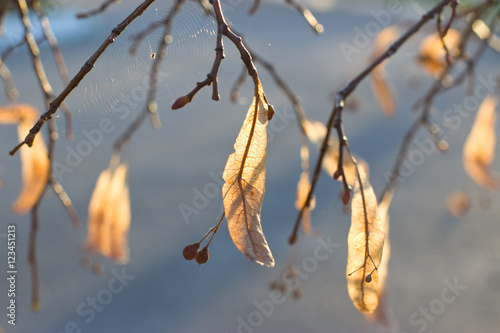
86	68
97	10
335	115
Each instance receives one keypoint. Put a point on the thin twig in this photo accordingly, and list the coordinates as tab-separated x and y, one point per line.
151	106
97	10
433	92
86	68
346	91
308	16
58	58
10	88
65	200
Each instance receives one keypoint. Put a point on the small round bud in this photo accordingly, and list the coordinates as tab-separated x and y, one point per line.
292	239
368	278
270	112
190	251
180	102
337	174
202	256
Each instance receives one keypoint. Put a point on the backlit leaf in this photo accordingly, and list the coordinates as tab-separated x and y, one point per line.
432	55
365	246
479	148
35	163
382	86
382	315
109	215
243	190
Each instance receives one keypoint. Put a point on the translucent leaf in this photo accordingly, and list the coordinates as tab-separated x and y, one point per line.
479	148
432	55
382	316
383	90
109	215
365	245
382	86
243	190
384	39
316	132
303	187
35	163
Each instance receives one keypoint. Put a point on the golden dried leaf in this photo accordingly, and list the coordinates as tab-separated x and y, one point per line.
479	148
243	190
316	132
118	213
432	55
35	164
303	187
365	245
384	39
109	215
383	90
97	206
381	316
381	84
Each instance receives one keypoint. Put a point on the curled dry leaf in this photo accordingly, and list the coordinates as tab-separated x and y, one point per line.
479	148
243	190
365	245
35	164
109	215
316	132
432	55
382	86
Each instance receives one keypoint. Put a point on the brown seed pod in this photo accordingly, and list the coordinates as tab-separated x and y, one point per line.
190	251
202	256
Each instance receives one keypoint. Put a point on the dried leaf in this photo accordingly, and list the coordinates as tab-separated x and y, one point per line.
303	187
383	90
316	132
365	245
382	316
384	39
432	55
243	190
479	148
35	164
109	215
382	86
97	206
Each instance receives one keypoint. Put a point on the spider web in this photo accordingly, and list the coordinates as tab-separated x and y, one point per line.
121	79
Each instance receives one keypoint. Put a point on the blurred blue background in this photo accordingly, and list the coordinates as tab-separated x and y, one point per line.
170	294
